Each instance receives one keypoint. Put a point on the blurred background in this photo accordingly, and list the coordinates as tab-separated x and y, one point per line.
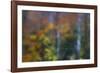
52	36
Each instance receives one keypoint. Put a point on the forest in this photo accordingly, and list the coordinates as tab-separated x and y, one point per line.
54	36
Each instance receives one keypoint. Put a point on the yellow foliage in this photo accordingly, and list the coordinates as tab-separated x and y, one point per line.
63	29
46	40
50	26
35	56
33	37
27	58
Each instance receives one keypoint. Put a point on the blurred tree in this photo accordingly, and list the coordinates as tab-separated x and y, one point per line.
51	36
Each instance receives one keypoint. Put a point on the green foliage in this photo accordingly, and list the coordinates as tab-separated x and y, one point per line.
40	46
50	54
